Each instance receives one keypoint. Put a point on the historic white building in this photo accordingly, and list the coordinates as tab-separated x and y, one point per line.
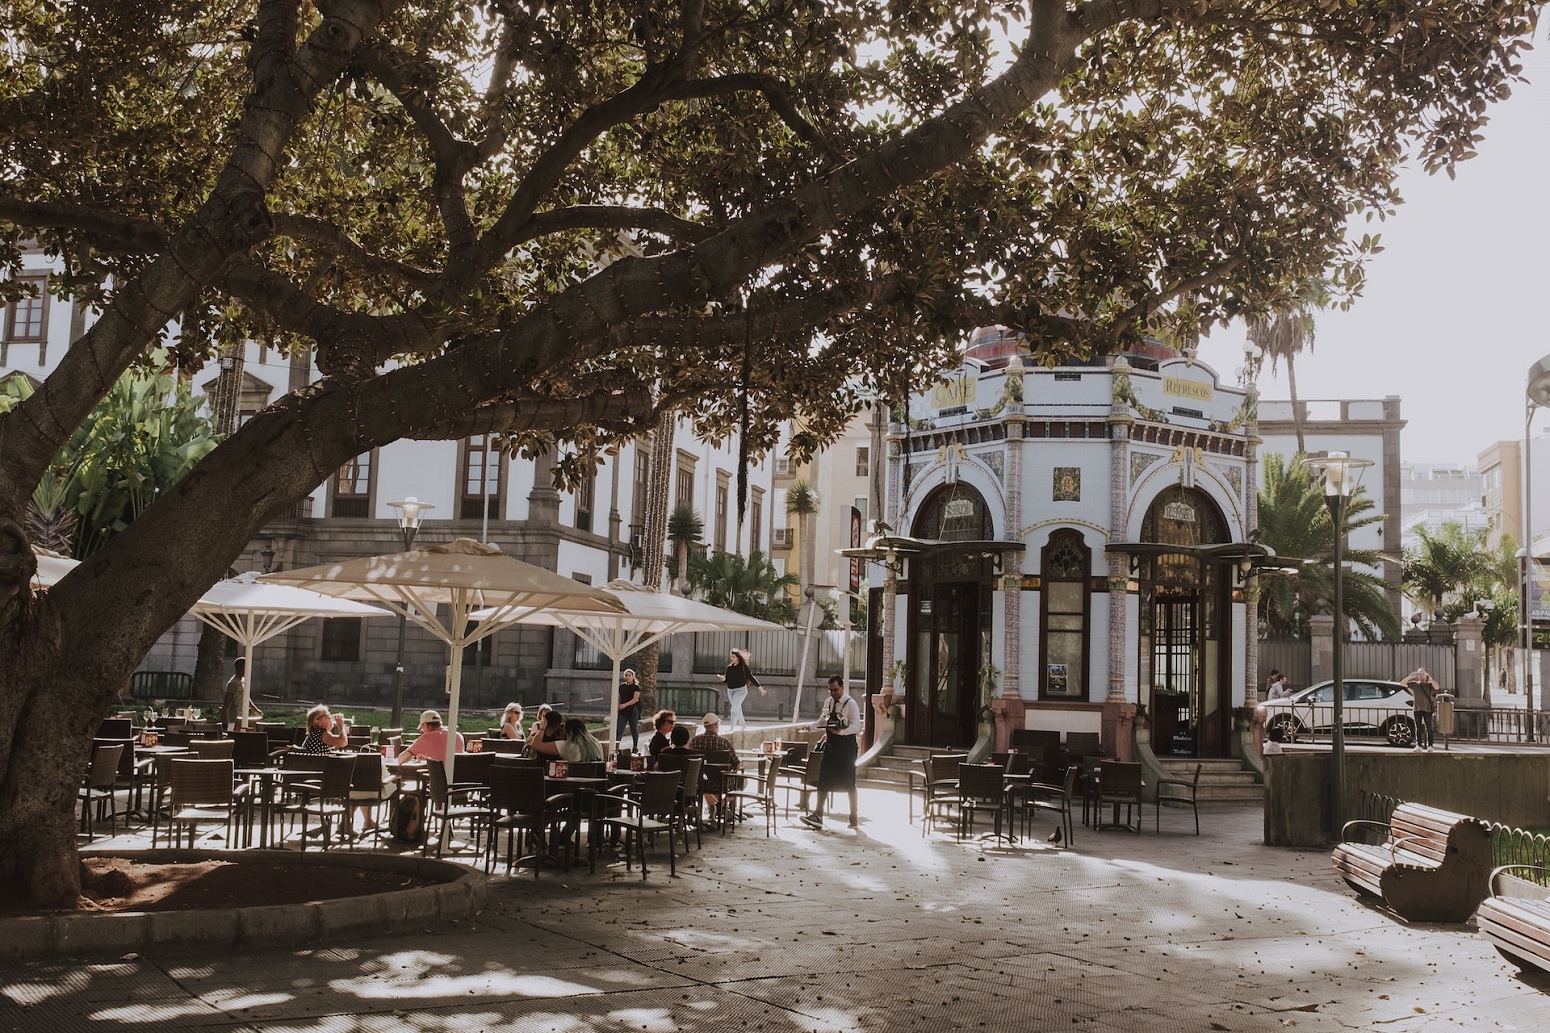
1071	545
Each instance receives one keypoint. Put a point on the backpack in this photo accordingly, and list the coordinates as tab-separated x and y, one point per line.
408	821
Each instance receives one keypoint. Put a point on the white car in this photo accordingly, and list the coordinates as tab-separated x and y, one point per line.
1371	708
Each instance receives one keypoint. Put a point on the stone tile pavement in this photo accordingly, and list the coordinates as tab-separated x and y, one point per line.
878	929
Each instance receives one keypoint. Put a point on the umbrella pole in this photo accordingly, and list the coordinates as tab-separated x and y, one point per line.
455	677
613	704
247	682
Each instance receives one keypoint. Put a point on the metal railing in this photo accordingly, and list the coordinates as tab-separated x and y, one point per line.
1499	724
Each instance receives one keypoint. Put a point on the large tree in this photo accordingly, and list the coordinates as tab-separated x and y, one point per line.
560	222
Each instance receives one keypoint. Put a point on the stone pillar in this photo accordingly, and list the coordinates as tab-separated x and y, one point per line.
1013	565
1251	524
1321	629
1469	646
1118	711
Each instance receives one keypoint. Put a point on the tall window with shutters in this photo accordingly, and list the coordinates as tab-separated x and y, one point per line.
352	488
481	480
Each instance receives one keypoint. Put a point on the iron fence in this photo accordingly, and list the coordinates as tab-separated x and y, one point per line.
1499	724
1387	661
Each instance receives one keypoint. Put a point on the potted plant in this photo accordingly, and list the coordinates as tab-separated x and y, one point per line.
898	682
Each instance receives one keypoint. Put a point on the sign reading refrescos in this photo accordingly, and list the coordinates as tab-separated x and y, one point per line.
1193	390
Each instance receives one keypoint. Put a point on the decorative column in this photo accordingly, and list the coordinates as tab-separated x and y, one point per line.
1118	712
1010	708
1250	524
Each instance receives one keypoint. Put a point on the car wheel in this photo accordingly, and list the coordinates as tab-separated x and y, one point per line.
1289	725
1399	731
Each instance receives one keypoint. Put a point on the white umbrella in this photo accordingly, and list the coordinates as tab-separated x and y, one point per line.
52	568
648	616
466	575
251	612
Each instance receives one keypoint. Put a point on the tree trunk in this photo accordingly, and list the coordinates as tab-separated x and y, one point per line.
45	739
210	664
1291	388
655	534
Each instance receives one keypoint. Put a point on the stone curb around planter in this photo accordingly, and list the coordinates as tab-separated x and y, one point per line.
458	892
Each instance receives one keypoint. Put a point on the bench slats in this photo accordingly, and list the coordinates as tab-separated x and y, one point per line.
1517	927
1435	865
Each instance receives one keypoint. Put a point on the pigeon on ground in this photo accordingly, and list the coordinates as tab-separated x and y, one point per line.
1054	837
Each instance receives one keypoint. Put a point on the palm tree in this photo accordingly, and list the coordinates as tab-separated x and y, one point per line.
684	530
750	586
1449	568
1295	522
802	501
1289	333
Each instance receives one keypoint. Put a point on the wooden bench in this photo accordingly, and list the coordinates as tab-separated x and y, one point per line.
1433	865
1518	926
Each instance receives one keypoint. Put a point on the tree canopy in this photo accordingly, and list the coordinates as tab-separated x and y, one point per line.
562	223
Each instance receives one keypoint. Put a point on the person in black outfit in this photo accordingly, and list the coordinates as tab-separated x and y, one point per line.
628	711
738	677
841	724
663	721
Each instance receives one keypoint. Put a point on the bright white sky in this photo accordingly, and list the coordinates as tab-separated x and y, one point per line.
1457	308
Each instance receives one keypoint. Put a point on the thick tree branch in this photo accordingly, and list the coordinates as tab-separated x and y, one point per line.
321	231
772	89
451	156
609	217
110	230
619	411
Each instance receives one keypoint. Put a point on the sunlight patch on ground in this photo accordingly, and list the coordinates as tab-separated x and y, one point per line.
489	984
149	1012
27	994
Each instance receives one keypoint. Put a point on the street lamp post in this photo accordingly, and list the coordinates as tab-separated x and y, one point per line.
1536	394
411	512
1339	471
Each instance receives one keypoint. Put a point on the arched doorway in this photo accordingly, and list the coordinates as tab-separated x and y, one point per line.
949	610
1185	653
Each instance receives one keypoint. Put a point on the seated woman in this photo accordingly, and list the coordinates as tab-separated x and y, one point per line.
663	721
549	727
325	731
578	745
511	721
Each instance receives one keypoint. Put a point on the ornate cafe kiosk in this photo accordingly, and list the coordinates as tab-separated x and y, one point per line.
1073	550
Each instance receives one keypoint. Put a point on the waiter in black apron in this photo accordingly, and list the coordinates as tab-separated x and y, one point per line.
841	724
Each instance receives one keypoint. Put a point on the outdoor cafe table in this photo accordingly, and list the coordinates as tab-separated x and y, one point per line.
267	778
151	752
586	789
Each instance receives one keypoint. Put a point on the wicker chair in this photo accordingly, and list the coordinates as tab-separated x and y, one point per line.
101	779
200	792
1176	792
518	806
1046	796
462	801
212	749
981	787
939	787
1119	782
327	799
653	812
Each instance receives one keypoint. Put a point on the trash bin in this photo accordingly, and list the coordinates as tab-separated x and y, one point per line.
1445	714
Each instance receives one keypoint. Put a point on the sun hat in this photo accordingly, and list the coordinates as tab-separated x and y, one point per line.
710	719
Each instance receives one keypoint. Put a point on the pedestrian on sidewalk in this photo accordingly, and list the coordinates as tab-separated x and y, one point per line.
738	677
1423	702
628	711
836	757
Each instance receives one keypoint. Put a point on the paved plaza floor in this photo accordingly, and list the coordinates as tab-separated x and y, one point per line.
874	929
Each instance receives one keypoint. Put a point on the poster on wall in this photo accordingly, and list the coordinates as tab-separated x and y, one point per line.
1055	684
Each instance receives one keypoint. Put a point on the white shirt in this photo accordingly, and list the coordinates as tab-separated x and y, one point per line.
846	708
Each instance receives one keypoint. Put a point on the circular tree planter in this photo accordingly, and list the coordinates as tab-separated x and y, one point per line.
451	892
